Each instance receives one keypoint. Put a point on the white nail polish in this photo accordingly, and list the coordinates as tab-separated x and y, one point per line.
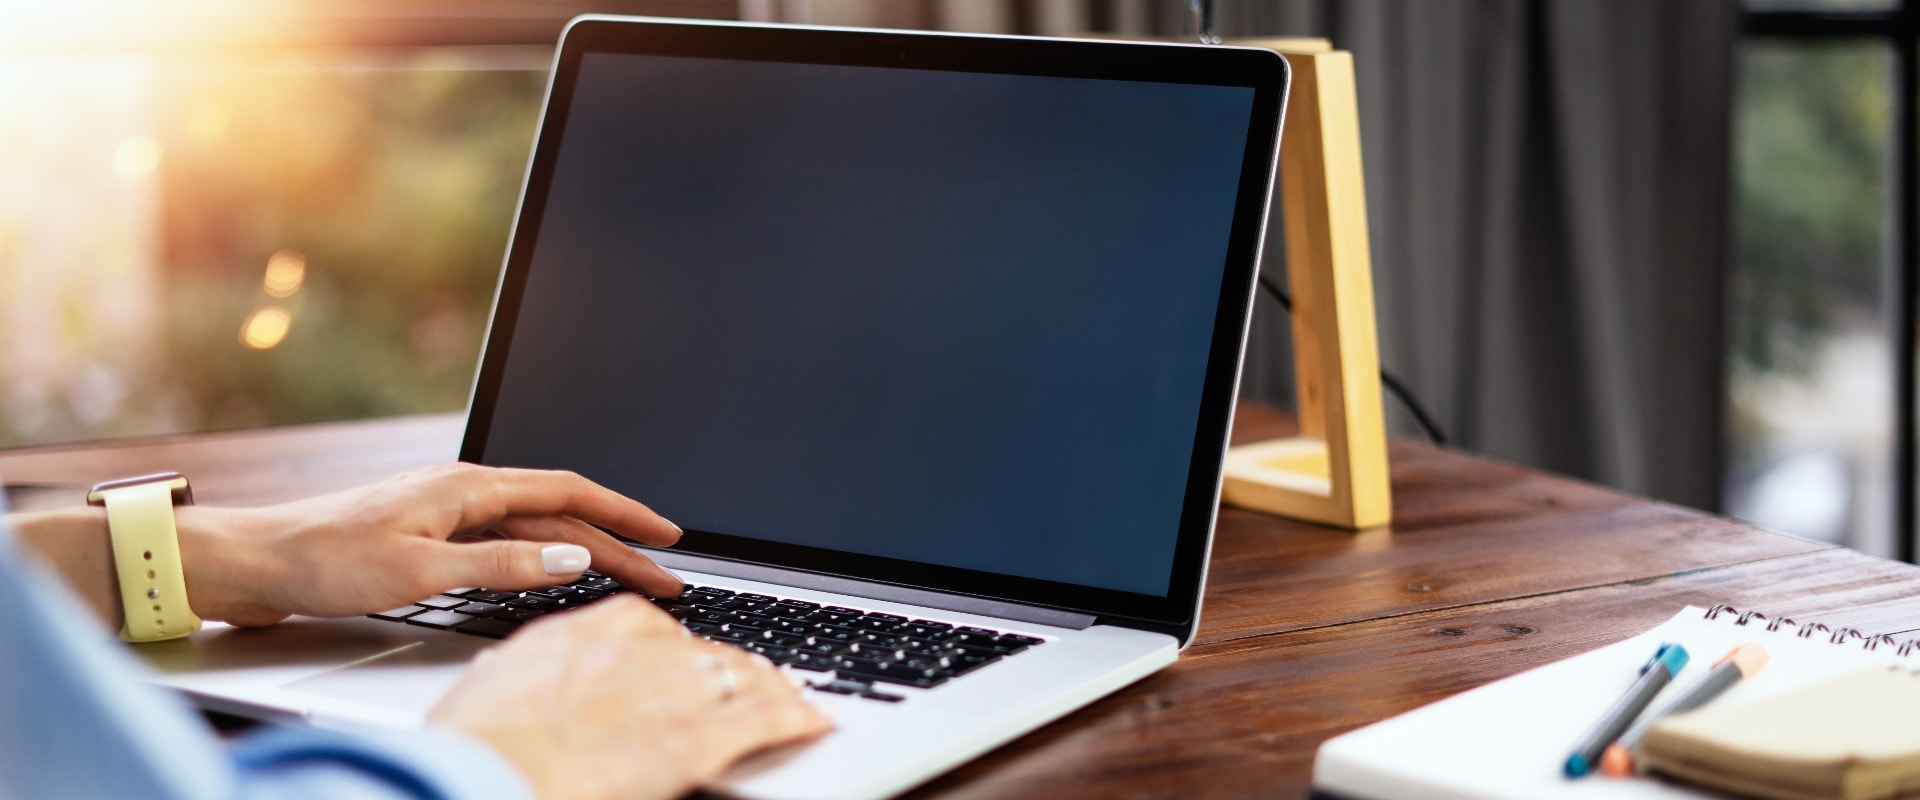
564	559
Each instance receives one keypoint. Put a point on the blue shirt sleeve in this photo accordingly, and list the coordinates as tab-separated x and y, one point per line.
79	717
300	762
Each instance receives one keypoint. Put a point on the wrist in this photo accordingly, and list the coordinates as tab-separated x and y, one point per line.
229	567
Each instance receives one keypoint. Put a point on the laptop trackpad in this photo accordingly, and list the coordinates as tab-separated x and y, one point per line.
409	679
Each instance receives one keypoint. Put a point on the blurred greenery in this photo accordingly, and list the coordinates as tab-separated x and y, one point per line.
1809	348
1810	197
398	187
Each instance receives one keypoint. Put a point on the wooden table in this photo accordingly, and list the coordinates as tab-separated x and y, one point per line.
1489	569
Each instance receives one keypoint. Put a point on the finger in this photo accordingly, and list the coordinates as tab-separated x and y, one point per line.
490	494
610	557
639	616
502	564
753	675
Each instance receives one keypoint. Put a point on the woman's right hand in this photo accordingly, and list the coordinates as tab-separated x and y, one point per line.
619	700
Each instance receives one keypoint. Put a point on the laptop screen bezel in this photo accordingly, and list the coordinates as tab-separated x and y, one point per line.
1263	71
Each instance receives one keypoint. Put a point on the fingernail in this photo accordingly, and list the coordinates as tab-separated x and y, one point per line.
564	559
677	528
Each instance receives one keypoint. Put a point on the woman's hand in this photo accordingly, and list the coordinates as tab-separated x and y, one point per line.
386	545
618	700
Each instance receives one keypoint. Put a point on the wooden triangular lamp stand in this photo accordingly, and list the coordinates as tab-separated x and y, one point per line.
1335	471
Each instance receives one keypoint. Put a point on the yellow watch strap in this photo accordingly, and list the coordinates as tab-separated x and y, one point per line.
146	558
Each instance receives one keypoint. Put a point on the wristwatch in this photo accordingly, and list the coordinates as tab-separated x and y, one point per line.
146	554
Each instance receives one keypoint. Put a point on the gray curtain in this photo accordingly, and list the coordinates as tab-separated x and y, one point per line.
1548	198
1547	188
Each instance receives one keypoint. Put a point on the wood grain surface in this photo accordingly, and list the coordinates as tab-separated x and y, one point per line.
1307	631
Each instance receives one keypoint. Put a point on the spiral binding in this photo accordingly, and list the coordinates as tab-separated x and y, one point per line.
1807	630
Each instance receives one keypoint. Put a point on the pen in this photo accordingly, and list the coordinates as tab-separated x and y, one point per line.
1666	663
1738	663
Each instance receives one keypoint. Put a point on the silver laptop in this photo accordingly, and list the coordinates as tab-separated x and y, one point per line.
929	341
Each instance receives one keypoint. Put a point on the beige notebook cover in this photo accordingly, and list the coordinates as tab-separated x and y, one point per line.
1511	738
1854	736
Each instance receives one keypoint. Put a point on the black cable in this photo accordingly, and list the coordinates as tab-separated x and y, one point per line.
1393	384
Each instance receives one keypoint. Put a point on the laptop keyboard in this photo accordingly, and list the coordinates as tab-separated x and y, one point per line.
850	649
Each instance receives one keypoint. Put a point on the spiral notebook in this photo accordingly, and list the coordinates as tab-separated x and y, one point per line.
1510	738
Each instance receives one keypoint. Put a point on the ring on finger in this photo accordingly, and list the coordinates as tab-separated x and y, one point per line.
729	683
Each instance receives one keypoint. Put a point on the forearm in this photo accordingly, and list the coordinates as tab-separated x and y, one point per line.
220	567
73	542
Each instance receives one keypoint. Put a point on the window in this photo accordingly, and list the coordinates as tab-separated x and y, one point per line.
1821	315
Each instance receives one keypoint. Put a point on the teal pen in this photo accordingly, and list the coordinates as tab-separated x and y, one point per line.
1743	661
1659	670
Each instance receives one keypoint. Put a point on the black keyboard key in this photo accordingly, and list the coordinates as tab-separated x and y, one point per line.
480	609
925	628
707	592
772	652
798	605
835	633
569	594
996	645
757	598
922	645
442	601
790	626
534	602
438	619
920	662
710	616
810	662
731	636
881	625
743	627
875	615
1025	640
398	614
963	664
702	628
460	592
840	687
821	648
598	584
516	614
844	610
783	638
892	673
486	596
881	696
982	649
491	628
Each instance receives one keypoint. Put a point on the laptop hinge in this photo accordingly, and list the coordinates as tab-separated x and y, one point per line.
877	591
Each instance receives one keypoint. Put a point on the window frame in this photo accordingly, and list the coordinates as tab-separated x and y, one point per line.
1898	27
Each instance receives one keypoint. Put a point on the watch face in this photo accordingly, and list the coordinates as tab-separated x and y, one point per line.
182	492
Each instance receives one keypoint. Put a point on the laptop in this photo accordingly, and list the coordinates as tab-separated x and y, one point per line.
929	341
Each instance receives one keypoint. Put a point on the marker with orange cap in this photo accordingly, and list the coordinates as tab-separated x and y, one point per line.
1738	663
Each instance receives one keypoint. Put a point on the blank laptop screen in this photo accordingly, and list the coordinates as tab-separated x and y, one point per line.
951	318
